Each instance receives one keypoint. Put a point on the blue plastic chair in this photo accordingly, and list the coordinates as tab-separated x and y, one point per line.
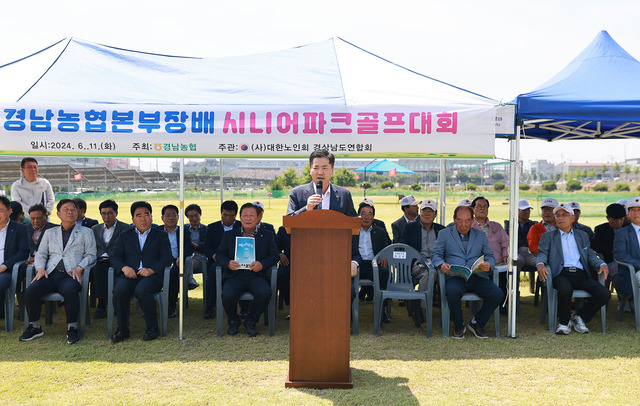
270	311
162	298
469	297
51	298
635	289
10	297
400	284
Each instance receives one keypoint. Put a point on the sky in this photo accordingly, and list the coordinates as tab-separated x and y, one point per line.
492	47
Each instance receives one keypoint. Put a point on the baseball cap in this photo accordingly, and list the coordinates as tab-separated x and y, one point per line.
616	211
633	202
367	201
259	204
464	202
523	205
563	206
409	201
550	202
574	205
428	203
623	202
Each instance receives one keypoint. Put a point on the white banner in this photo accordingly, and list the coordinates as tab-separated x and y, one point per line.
154	131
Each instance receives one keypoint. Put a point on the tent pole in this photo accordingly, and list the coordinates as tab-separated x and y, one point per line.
221	184
181	251
443	190
512	276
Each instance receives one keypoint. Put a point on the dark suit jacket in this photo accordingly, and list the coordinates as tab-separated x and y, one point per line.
397	227
602	241
267	226
550	252
33	247
266	252
188	246
585	228
523	230
212	241
625	249
101	247
89	223
16	244
340	200
156	253
412	234
283	242
379	240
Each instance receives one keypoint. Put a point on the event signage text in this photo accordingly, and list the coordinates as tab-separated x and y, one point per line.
196	130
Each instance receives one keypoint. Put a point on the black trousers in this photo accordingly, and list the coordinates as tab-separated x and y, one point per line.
57	281
100	272
245	281
566	282
143	288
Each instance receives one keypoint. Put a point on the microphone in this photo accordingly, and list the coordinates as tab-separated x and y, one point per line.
319	191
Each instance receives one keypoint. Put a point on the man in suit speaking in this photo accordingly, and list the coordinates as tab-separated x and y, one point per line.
565	253
305	197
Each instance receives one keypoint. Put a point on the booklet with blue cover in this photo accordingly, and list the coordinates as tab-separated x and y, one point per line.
465	272
245	251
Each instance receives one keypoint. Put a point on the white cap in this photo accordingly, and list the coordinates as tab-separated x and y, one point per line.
464	202
523	205
257	203
633	202
623	202
367	201
563	206
550	202
409	201
574	205
430	204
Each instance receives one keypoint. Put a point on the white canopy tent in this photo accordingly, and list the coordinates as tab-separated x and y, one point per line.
97	100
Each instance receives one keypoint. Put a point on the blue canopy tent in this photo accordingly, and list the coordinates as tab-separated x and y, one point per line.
596	96
384	166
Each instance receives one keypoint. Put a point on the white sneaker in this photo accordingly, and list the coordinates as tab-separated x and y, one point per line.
563	329
578	324
638	278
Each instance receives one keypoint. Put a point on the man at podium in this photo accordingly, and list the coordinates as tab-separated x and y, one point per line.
320	193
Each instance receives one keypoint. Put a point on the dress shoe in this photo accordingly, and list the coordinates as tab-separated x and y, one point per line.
418	318
151	334
120	335
385	317
172	313
233	327
192	286
252	330
100	313
208	315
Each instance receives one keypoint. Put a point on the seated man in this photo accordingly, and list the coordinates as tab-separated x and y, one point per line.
255	279
604	235
262	224
576	213
548	223
63	255
463	245
525	258
565	253
198	232
627	249
81	220
106	235
409	206
171	227
14	245
369	242
139	260
215	231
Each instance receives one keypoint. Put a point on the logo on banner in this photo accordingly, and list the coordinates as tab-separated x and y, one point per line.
244	147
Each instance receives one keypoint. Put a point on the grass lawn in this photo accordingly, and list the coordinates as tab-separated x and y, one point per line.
401	367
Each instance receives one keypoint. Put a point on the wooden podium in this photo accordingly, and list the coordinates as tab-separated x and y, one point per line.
319	330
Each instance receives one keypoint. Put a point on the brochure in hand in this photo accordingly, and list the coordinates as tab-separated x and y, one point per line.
465	272
245	251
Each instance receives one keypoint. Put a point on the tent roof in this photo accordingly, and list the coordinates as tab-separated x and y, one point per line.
331	72
384	166
594	96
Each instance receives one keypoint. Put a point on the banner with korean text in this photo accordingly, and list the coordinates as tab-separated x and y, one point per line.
155	131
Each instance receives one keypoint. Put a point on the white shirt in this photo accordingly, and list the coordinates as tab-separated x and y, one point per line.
326	199
364	246
570	250
142	238
107	234
3	239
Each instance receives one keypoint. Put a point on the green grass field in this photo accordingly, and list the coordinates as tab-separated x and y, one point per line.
401	367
